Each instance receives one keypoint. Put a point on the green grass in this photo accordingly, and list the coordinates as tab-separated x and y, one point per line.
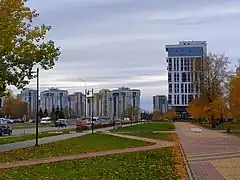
82	144
6	140
162	126
153	164
161	136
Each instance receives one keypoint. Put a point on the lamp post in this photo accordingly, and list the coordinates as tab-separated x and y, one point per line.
37	104
85	93
92	96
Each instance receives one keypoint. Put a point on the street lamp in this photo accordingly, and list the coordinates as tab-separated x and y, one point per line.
92	96
37	104
85	93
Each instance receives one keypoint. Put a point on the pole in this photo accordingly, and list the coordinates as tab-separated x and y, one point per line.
92	110
37	108
85	104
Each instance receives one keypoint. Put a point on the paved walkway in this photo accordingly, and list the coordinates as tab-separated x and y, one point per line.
158	144
211	155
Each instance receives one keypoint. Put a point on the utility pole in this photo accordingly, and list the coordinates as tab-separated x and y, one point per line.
37	104
92	110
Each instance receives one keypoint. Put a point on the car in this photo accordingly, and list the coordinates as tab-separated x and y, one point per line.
5	129
61	123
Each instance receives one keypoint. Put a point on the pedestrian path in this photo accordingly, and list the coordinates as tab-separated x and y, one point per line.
158	144
210	154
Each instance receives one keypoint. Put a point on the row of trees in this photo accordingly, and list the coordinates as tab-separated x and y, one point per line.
219	89
170	115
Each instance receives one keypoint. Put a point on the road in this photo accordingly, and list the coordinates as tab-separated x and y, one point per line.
22	131
18	132
29	143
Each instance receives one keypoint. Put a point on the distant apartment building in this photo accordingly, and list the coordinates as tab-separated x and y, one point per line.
77	102
29	96
120	99
185	62
54	97
100	104
160	104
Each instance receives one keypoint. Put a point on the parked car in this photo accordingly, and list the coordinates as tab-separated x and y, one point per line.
45	120
61	123
5	129
10	121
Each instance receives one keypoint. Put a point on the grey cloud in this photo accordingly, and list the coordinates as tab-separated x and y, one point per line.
118	40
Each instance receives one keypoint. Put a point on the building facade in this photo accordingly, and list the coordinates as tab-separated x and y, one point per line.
29	96
185	63
100	104
121	99
76	106
160	104
53	98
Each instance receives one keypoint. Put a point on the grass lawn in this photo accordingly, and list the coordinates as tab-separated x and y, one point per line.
6	140
82	144
153	164
162	126
161	136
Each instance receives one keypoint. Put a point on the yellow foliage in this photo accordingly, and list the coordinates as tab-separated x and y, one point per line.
196	108
234	97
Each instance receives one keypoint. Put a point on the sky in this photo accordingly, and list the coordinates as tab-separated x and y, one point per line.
113	43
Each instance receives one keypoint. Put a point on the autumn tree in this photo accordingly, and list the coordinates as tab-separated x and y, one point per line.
196	109
170	114
234	97
211	80
22	44
14	107
156	116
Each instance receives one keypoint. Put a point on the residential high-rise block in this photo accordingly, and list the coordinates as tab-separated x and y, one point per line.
54	98
77	102
30	97
185	62
121	99
160	104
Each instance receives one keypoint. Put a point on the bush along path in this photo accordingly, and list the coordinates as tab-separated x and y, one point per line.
157	144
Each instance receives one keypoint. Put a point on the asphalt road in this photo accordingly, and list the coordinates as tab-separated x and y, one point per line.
18	132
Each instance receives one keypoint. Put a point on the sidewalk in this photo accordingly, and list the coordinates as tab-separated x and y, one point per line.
211	155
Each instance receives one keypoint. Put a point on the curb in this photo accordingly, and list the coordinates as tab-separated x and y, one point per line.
188	168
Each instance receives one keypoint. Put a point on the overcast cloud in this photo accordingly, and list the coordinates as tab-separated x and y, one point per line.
112	43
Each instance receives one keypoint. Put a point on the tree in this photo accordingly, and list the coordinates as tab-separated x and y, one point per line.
57	113
40	113
170	114
61	114
196	109
212	77
53	114
45	114
156	116
22	44
14	107
234	97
